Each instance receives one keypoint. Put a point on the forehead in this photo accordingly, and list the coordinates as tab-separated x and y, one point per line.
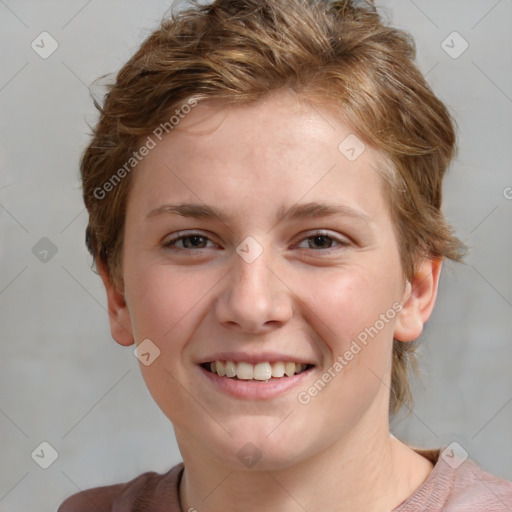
280	149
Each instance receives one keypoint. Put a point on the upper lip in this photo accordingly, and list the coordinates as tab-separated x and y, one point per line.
260	357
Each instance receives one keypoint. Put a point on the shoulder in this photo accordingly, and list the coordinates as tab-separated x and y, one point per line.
143	493
458	485
477	489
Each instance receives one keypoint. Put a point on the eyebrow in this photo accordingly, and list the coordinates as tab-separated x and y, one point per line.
295	212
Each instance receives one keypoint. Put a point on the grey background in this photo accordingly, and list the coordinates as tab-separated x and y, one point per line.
64	381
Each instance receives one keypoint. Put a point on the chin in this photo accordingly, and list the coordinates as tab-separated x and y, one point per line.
251	457
259	448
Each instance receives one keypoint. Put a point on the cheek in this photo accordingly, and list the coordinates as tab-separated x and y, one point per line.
164	307
354	316
163	301
347	301
352	311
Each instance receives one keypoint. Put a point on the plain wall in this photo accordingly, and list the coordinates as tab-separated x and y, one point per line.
65	381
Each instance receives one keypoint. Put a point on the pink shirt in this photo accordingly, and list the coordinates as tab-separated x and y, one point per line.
450	487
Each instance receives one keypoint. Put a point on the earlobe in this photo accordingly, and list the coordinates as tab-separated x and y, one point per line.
118	313
419	300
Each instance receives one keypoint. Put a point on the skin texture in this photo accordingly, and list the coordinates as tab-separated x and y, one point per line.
305	297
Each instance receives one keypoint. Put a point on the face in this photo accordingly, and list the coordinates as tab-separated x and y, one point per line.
251	239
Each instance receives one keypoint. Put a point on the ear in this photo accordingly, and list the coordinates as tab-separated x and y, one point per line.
119	316
418	300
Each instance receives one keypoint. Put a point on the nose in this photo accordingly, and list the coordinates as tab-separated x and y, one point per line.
254	297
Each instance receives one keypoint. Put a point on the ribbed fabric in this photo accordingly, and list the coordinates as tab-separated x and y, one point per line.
453	486
458	486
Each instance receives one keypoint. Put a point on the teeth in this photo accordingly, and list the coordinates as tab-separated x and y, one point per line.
220	368
244	371
278	369
259	371
230	369
289	369
262	371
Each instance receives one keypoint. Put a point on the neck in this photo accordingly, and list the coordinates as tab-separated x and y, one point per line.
351	475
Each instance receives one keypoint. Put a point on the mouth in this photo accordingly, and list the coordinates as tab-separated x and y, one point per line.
259	372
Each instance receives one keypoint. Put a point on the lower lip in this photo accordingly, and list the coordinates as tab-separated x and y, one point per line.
254	389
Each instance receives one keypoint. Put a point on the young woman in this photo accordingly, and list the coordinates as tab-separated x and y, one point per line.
264	194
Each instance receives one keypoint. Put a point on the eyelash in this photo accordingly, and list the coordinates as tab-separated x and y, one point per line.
171	244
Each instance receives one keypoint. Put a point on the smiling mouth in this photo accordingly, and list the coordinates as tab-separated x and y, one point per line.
258	372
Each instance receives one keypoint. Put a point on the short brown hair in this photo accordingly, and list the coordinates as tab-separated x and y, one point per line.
238	51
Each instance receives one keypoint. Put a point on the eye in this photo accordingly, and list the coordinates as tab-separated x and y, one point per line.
193	240
322	241
187	241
